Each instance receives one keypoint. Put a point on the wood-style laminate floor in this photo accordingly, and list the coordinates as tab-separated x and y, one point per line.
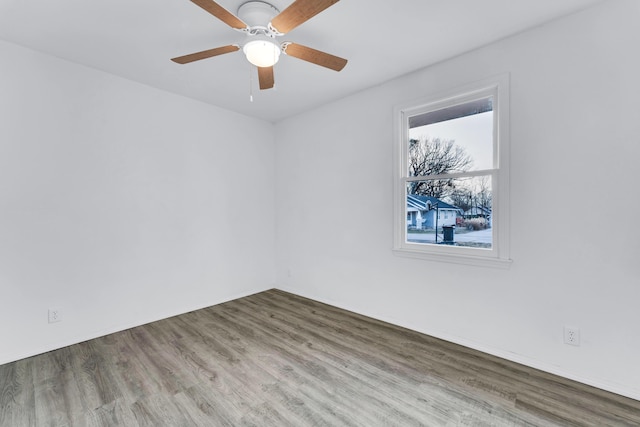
275	359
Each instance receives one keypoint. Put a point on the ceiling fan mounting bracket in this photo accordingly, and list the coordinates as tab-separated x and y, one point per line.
284	45
259	30
274	31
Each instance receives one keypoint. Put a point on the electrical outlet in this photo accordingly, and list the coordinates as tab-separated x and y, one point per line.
55	315
571	336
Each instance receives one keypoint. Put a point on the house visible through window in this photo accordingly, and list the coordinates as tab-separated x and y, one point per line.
452	175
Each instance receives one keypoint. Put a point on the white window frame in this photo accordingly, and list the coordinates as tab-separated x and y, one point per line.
498	256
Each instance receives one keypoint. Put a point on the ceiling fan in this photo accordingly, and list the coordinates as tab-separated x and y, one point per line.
262	23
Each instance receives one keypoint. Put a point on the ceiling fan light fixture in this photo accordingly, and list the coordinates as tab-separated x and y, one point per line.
261	52
262	23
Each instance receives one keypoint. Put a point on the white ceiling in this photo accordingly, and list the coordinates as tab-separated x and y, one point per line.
135	39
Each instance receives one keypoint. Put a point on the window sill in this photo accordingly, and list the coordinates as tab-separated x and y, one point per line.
504	264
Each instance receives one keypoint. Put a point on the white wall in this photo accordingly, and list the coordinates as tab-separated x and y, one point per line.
121	204
575	135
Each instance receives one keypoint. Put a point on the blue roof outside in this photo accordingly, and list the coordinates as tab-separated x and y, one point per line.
421	202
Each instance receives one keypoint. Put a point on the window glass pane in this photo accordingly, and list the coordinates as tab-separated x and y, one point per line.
455	212
452	140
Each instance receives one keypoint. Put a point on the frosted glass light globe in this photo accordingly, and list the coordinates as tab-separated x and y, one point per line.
262	53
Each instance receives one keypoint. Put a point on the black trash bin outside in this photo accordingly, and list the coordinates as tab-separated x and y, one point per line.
447	233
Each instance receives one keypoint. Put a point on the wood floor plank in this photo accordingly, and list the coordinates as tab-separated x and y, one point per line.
116	413
17	396
381	365
133	375
57	395
354	380
160	410
309	368
276	359
207	406
94	376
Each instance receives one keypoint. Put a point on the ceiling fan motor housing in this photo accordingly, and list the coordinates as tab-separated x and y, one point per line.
257	14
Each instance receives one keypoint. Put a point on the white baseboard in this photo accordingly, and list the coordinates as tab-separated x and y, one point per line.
632	393
622	390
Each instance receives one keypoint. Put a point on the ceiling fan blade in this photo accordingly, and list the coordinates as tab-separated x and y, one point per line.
265	77
206	54
221	13
315	56
298	12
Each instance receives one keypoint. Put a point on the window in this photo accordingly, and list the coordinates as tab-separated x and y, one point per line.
451	170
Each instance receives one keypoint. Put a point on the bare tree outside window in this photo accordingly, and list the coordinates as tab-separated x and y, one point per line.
435	156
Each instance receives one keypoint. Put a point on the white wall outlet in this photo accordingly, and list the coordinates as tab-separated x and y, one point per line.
571	336
55	315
